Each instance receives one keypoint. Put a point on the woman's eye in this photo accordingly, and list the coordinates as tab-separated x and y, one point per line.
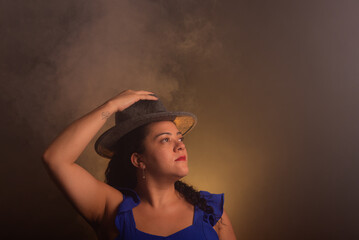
165	140
181	139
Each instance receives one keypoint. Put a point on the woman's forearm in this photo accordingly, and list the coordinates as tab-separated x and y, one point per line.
68	146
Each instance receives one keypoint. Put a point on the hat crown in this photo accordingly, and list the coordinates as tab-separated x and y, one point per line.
139	109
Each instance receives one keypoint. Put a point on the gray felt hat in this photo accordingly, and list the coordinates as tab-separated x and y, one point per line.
138	114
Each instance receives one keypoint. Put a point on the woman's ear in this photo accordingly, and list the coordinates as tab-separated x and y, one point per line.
136	160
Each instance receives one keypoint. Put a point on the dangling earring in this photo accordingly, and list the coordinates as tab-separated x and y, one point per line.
143	174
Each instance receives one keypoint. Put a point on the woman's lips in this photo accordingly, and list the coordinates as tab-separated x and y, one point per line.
182	158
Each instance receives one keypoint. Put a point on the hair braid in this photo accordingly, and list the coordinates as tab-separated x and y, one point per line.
192	196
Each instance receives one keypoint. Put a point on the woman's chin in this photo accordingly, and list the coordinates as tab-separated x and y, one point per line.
183	173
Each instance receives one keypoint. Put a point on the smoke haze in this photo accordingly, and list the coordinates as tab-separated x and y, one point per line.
274	85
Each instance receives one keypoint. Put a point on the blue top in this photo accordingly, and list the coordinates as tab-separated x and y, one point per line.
201	228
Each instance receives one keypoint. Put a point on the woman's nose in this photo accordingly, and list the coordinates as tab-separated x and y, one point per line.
180	146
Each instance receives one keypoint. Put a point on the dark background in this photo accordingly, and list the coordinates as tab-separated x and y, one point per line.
273	83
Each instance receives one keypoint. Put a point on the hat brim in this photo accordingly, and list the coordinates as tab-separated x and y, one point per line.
105	144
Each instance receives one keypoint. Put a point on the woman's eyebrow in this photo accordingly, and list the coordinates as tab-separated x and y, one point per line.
168	133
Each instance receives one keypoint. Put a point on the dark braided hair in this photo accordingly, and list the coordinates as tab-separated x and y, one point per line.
121	173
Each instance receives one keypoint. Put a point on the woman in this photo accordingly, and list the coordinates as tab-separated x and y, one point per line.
142	197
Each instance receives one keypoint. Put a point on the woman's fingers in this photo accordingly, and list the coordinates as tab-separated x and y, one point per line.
144	92
148	97
145	95
129	97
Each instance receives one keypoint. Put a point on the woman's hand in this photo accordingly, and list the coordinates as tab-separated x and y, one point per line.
126	98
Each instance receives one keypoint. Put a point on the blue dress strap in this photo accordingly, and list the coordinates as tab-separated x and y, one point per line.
124	220
216	201
130	200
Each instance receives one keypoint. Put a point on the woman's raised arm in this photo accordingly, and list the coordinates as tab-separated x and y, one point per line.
88	195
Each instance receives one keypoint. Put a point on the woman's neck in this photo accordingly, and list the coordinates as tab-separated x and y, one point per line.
157	194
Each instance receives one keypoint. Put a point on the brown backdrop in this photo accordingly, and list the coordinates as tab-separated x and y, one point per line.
273	83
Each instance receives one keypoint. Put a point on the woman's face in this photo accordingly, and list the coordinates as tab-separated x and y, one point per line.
165	153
